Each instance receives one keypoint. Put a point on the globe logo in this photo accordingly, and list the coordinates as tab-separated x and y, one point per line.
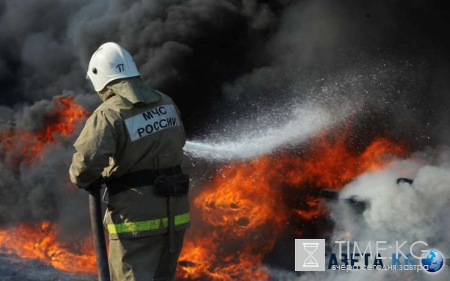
432	261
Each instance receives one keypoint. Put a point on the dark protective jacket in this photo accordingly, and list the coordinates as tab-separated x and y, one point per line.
134	129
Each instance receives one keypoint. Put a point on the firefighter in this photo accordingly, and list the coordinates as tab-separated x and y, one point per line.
134	142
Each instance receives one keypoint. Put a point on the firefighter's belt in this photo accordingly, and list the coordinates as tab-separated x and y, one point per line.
146	225
175	185
140	178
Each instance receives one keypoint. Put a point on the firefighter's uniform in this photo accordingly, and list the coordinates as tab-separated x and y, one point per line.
135	129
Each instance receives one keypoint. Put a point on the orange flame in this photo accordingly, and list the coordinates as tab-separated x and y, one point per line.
235	206
39	241
237	217
331	163
21	145
243	208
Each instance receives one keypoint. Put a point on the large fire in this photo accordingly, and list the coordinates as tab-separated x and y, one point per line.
39	241
244	208
238	216
62	120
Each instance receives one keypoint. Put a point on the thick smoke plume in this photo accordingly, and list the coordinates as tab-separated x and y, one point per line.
248	54
225	61
36	150
179	46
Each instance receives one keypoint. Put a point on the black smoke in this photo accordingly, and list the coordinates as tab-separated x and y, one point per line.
184	48
215	55
222	60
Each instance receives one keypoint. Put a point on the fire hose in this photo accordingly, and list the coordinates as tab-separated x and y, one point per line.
95	210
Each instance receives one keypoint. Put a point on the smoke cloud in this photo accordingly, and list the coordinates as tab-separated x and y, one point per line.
395	212
247	54
179	46
225	61
36	188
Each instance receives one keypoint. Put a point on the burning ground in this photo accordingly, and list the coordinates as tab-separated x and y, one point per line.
280	98
244	214
35	187
252	210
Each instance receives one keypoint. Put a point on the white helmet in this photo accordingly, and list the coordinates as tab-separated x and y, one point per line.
108	63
